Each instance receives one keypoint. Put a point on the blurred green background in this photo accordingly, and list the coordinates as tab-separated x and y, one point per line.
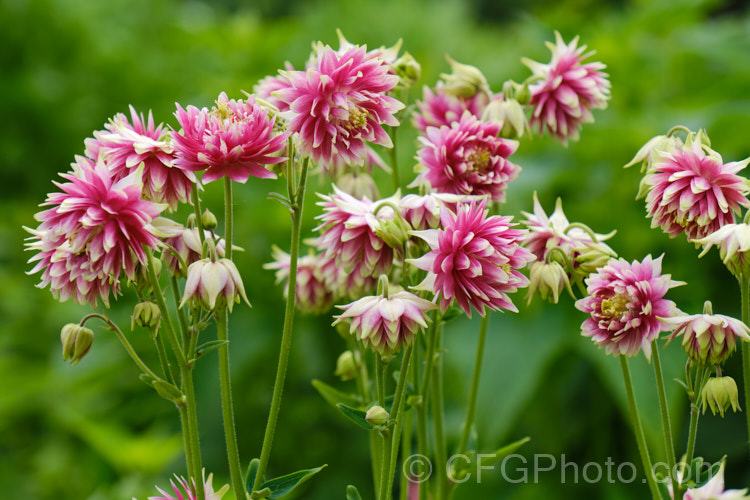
95	432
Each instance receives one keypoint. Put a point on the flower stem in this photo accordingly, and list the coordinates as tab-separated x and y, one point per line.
638	429
437	418
286	337
394	159
422	408
744	281
666	425
396	414
474	385
222	334
198	214
165	316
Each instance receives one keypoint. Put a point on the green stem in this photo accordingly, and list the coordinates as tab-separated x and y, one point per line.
380	379
422	408
665	422
437	419
180	313
408	427
228	217
638	429
286	337
198	214
186	441
396	410
165	316
227	408
394	159
746	347
474	385
161	350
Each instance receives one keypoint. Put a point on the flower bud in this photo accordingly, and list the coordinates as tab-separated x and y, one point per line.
209	220
709	339
191	221
510	114
346	366
464	80
590	256
719	393
358	185
146	314
76	342
394	232
213	284
377	416
548	278
408	69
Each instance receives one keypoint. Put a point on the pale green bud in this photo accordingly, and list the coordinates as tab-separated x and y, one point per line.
346	366
358	185
549	279
394	232
191	221
209	220
591	256
377	416
146	314
510	114
720	393
76	342
464	80
408	69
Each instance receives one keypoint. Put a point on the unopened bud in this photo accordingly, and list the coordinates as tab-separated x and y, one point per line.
510	115
549	279
192	221
523	94
346	366
76	342
146	314
408	69
719	394
377	416
394	232
169	392
464	80
358	185
590	256
209	220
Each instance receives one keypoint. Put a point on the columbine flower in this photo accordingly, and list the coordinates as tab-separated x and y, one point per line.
694	192
654	151
213	284
125	146
733	242
474	260
386	323
312	296
265	88
235	138
350	234
467	158
339	103
709	338
185	490
439	108
626	303
568	91
95	227
712	490
554	231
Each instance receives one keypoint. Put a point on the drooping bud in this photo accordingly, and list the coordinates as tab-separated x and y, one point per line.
213	284
346	366
191	221
590	256
377	415
719	394
146	314
76	342
408	69
549	279
464	80
209	220
509	113
709	339
394	232
360	185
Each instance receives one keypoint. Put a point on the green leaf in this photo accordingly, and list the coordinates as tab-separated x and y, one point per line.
284	200
505	451
356	416
462	467
280	487
252	471
352	493
335	396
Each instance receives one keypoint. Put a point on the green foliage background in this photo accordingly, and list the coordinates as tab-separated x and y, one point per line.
95	432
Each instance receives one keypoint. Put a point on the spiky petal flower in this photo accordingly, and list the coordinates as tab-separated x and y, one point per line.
474	260
386	323
467	158
185	490
235	138
733	242
568	90
350	233
709	338
626	303
340	103
555	231
213	284
124	146
312	296
438	108
694	192
97	217
265	88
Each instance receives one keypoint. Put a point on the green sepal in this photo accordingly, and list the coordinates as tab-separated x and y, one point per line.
278	487
352	493
209	346
356	416
335	396
252	471
284	200
169	392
